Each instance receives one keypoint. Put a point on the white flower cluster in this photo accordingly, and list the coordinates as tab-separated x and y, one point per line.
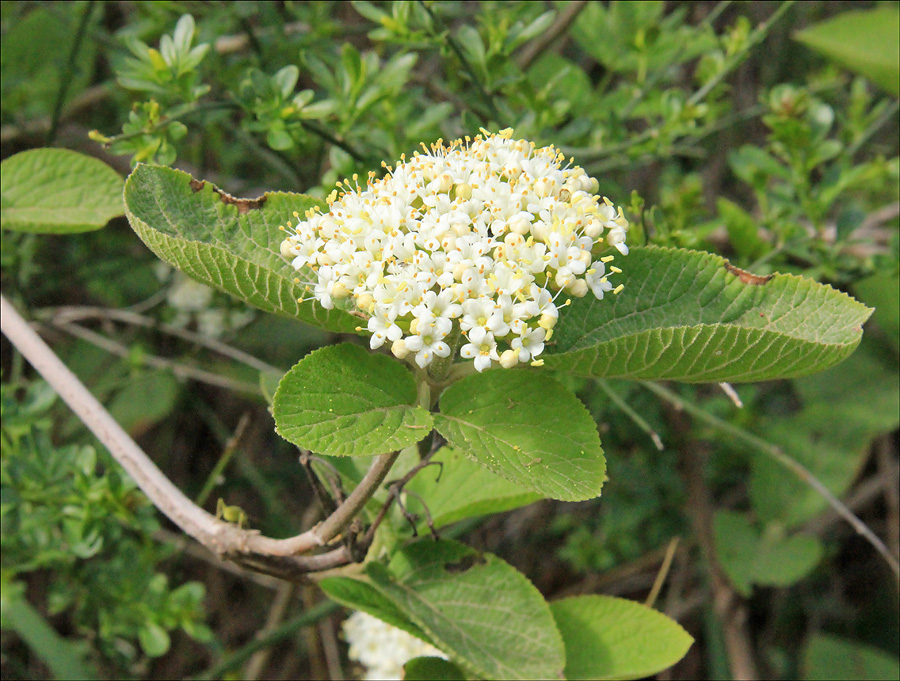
480	237
381	648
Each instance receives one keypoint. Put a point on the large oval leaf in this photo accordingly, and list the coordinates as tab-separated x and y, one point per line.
481	612
525	427
613	638
691	316
866	42
57	191
345	401
231	244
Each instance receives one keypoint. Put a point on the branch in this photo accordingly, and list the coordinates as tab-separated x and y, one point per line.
277	557
180	370
729	607
791	464
73	313
562	23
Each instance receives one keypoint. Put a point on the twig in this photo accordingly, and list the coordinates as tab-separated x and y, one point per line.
632	414
180	370
729	390
286	630
330	646
885	458
728	606
889	114
394	490
279	609
562	23
328	136
181	543
230	448
755	38
68	314
788	462
663	572
277	557
864	494
68	73
457	50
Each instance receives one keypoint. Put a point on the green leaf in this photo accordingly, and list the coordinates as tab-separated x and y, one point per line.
431	669
345	401
358	595
743	229
154	639
231	244
691	316
882	291
613	638
843	410
527	428
831	657
59	654
486	493
768	560
865	41
487	617
57	191
144	400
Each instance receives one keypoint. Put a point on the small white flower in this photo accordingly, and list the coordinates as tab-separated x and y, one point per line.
427	343
529	343
481	347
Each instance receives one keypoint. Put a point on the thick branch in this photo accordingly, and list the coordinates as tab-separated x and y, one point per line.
247	547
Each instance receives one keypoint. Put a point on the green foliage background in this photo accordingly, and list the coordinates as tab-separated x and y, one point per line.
737	129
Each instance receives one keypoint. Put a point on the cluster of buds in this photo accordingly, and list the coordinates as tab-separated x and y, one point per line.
477	244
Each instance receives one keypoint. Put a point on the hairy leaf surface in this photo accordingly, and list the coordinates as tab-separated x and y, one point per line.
342	400
691	316
526	427
486	616
230	244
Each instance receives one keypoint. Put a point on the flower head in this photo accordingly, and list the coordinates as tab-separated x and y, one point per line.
381	648
489	236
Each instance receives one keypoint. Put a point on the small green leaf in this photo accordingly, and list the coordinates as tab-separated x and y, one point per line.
527	428
154	639
487	617
743	229
231	244
830	657
144	400
431	669
613	638
691	316
867	42
57	191
768	560
345	401
486	493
